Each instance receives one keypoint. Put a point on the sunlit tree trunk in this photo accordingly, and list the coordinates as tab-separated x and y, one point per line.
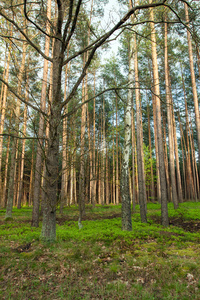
4	90
170	125
152	187
193	80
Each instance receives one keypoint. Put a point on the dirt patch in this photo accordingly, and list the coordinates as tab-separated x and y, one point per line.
187	225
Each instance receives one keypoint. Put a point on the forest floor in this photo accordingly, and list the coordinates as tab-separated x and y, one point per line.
101	261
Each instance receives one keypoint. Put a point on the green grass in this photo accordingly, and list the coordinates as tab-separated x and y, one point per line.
101	261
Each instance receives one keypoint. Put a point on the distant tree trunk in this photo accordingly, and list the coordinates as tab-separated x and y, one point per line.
117	156
164	208
188	160
166	160
23	151
170	125
30	198
193	80
152	191
65	171
40	144
179	184
93	152
14	151
3	203
113	153
4	90
133	157
82	156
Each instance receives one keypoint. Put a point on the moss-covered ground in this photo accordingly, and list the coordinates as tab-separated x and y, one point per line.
100	261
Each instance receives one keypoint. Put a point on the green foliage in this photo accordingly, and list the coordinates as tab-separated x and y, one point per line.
101	261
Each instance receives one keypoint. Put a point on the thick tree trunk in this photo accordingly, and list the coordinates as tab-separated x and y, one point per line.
48	233
40	145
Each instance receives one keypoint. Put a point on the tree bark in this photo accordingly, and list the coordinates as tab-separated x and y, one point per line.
164	208
193	80
170	125
40	145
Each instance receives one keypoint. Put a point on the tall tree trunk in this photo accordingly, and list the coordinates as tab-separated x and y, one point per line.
40	144
3	110
170	125
23	150
14	151
125	192
164	208
3	203
140	155
93	183
152	187
133	157
48	233
64	186
82	156
193	80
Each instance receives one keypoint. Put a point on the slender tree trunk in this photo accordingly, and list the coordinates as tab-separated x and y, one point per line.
3	111
152	191
117	156
164	208
140	155
125	192
64	186
82	157
193	80
14	152
93	154
170	125
133	157
3	203
166	160
23	151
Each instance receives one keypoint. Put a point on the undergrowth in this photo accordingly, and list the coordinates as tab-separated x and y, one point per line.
101	261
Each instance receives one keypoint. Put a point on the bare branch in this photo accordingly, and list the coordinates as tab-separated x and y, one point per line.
21	99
